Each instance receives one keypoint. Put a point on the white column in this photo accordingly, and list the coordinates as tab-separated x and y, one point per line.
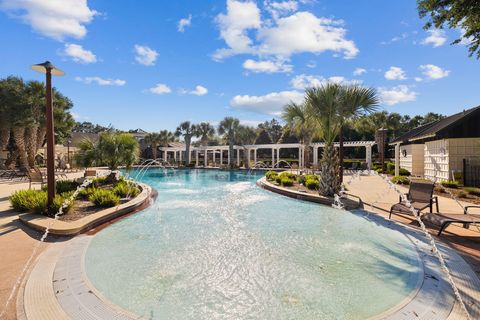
221	157
368	156
278	155
248	157
397	159
238	157
196	158
165	155
180	155
175	156
300	157
273	158
214	157
255	155
228	156
315	155
205	161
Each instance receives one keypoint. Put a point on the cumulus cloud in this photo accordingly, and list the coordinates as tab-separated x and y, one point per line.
55	19
183	23
267	66
395	73
397	94
79	54
434	72
101	81
290	33
199	91
145	55
304	81
271	103
436	38
160	88
359	71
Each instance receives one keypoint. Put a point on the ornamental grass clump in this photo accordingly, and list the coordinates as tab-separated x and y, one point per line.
35	201
125	189
473	191
450	184
104	198
271	175
312	182
400	180
286	181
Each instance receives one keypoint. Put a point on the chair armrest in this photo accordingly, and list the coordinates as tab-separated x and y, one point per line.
468	207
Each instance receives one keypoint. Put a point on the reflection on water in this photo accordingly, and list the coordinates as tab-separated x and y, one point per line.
215	246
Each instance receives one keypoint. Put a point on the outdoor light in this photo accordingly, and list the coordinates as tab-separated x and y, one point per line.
49	69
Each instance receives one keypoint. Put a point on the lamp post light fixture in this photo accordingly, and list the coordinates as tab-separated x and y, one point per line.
49	69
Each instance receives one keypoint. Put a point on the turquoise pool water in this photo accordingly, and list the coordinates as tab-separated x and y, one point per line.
216	246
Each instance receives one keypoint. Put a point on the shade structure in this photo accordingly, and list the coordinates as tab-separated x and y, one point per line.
42	67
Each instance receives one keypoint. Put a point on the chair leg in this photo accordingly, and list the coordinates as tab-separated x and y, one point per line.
436	204
443	227
390	216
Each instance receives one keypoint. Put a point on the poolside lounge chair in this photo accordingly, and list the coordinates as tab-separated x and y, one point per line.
34	177
420	196
445	219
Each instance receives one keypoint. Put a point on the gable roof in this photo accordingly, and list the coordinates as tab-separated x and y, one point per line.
435	128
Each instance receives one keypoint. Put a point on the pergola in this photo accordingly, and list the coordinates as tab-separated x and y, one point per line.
251	152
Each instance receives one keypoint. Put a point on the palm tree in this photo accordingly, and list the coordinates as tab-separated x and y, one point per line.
245	136
165	137
205	131
228	127
356	101
323	104
35	95
187	130
154	140
300	123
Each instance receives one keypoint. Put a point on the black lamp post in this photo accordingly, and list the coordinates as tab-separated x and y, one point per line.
49	69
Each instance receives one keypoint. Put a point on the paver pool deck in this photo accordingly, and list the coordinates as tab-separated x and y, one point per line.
17	241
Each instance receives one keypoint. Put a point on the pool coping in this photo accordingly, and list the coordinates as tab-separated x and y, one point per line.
70	228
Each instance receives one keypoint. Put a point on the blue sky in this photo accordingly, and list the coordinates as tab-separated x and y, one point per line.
153	64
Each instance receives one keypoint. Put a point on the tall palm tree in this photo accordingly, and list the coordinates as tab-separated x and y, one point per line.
300	123
165	137
205	131
35	95
228	127
187	130
356	101
245	136
154	140
323	104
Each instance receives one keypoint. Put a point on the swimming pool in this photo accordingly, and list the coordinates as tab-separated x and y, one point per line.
216	246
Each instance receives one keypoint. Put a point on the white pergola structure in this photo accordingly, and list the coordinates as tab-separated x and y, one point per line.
251	152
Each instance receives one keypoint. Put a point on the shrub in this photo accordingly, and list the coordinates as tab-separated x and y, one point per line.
124	189
271	175
36	202
379	170
287	182
85	193
400	180
404	172
66	186
473	191
462	194
98	181
450	184
287	174
312	183
104	198
390	167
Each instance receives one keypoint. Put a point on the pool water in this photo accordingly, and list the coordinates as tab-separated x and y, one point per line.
216	246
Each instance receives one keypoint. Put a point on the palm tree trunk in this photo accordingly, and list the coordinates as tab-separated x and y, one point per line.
340	155
4	137
12	160
31	144
329	182
19	137
42	131
154	151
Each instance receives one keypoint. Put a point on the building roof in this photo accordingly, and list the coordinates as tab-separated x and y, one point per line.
438	128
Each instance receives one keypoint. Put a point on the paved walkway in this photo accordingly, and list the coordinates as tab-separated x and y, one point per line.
16	243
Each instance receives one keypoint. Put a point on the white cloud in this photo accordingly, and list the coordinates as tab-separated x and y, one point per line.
199	91
299	32
79	54
278	9
304	81
56	19
266	66
434	72
304	32
101	81
418	79
359	71
160	88
397	94
145	55
240	17
436	38
271	104
395	73
183	23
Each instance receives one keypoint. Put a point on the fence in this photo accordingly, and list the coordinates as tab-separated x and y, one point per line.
471	172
